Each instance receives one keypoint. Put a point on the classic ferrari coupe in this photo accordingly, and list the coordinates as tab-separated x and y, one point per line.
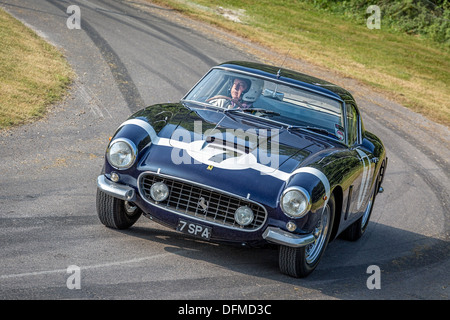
252	154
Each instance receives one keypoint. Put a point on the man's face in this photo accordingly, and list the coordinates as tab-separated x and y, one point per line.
239	86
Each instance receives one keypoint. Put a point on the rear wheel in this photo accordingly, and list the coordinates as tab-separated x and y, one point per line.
115	213
300	262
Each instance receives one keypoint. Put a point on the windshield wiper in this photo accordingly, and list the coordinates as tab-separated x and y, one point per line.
313	129
260	110
255	119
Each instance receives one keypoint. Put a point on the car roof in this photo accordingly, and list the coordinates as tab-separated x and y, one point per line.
292	77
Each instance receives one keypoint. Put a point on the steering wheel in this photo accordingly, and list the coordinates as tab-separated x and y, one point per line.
236	102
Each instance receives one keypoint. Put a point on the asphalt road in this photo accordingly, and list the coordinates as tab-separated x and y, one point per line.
128	55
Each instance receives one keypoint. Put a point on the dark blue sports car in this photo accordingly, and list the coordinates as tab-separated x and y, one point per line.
253	154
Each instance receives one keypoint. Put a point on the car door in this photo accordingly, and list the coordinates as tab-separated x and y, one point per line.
360	189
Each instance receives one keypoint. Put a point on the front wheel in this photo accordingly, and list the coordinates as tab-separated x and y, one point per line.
300	262
115	213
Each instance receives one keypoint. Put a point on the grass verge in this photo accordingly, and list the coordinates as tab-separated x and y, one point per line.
411	70
33	74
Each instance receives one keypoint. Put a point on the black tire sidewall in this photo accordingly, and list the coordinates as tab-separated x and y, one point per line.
111	212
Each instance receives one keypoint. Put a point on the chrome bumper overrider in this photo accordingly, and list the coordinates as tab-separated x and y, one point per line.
116	190
279	236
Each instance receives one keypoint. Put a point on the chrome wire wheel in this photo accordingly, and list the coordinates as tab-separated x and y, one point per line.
130	208
365	217
314	250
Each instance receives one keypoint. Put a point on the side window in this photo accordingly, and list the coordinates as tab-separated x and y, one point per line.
352	123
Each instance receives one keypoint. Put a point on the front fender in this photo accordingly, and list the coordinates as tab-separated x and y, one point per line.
144	127
315	182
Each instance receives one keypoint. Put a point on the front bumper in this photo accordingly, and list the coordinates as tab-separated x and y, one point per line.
271	234
116	190
279	236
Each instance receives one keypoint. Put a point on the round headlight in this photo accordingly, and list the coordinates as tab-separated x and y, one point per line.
159	191
295	202
243	215
121	154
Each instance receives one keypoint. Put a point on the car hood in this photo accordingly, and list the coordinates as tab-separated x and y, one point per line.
215	148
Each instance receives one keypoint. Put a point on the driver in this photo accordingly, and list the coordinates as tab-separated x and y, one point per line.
238	88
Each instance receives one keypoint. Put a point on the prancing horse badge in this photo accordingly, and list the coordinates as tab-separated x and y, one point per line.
203	204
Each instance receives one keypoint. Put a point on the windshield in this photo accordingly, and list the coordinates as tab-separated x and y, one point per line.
290	105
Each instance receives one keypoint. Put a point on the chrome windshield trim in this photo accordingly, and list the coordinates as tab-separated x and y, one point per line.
279	81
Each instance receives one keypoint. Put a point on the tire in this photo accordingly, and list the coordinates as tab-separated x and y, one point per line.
115	213
300	262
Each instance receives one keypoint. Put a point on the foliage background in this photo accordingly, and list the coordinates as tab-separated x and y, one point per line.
425	18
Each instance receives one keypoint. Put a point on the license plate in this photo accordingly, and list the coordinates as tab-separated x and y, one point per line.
194	229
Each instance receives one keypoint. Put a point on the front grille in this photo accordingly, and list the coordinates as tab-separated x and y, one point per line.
201	202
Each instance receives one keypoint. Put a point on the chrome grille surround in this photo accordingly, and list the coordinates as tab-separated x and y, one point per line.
201	202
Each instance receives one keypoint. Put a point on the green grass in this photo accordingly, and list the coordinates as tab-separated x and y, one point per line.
410	69
33	74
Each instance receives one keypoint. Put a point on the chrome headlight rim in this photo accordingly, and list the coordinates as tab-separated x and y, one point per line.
133	153
304	193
